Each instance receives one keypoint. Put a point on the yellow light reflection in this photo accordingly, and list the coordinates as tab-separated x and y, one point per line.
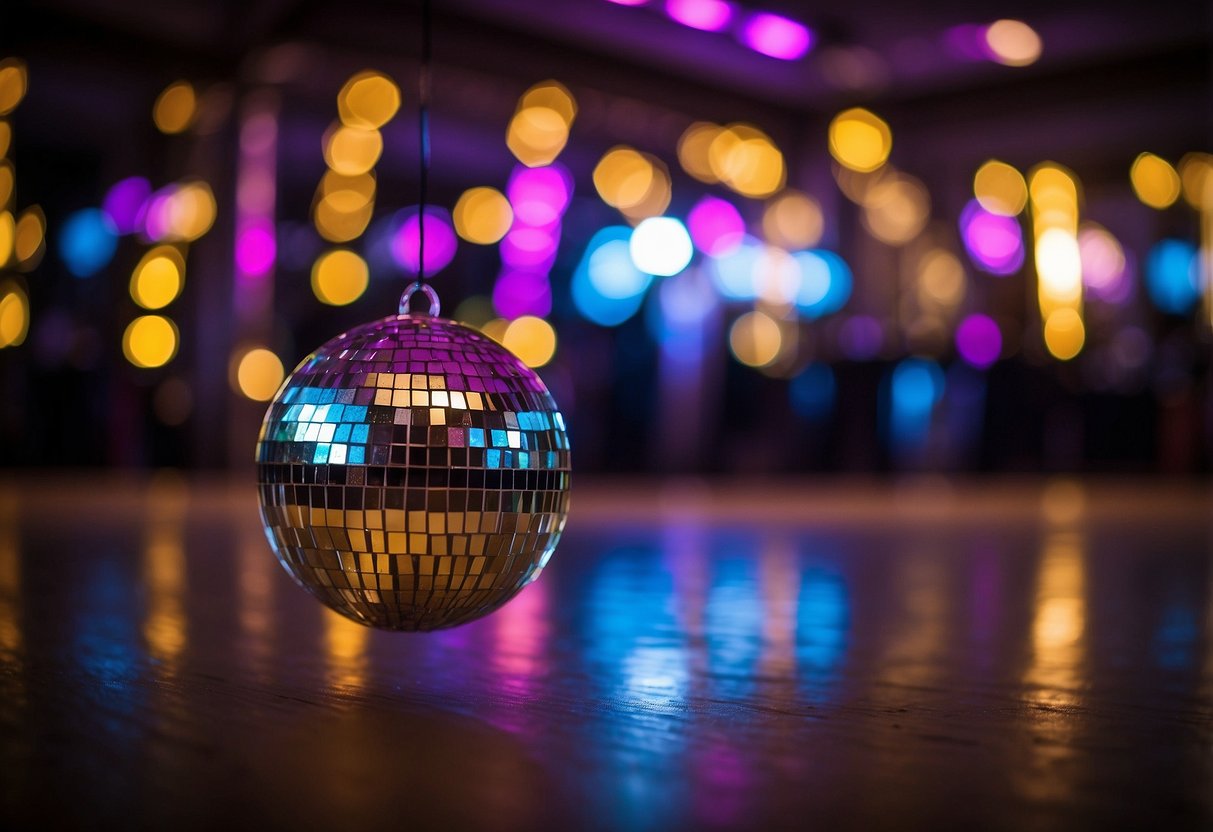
896	209
531	339
860	140
1064	334
1155	182
1196	176
368	100
14	315
745	159
29	239
1000	188
158	277
694	148
755	339
256	584
175	108
257	373
351	151
1059	622
1013	42
165	627
482	215
150	341
339	277
14	81
793	220
345	650
11	639
552	95
536	135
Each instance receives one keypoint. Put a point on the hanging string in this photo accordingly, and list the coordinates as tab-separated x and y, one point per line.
423	127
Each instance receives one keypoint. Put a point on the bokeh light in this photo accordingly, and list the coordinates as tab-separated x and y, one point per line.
14	315
482	215
733	273
344	206
776	278
813	390
517	293
1013	43
793	220
1173	276
825	282
860	140
6	182
530	248
1000	188
716	226
6	138
536	135
14	80
608	263
705	15
258	373
368	100
532	339
661	246
539	195
613	273
339	277
440	241
941	278
1103	261
256	248
29	237
1196	176
554	96
150	341
746	160
1064	333
776	36
190	212
896	209
158	277
125	201
694	147
475	311
994	242
1154	180
8	236
979	340
624	177
175	108
755	339
87	242
351	150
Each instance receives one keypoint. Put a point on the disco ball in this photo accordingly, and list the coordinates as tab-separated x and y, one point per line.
413	474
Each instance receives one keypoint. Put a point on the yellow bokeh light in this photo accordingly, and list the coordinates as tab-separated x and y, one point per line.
475	311
623	177
495	329
1196	175
175	108
158	277
30	237
1013	42
531	339
258	374
941	278
482	215
192	211
368	100
339	277
755	339
6	182
361	188
745	159
860	140
554	96
1054	194
351	151
1064	334
344	206
793	220
656	199
14	315
1155	181
1058	267
694	150
6	137
536	135
8	231
14	80
1000	188
150	341
897	209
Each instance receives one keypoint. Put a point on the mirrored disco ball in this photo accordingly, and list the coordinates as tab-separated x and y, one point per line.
413	474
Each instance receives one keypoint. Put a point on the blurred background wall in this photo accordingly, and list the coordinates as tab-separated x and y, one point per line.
759	237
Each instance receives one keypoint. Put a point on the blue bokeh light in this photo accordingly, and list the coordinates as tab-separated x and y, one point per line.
1173	276
87	241
602	256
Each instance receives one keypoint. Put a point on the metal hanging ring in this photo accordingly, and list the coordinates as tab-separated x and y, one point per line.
406	300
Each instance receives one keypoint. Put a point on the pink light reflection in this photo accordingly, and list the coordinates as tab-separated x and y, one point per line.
706	15
776	36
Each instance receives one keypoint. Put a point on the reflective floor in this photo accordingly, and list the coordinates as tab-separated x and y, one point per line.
926	655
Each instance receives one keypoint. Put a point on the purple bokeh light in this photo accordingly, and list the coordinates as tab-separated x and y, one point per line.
861	337
125	201
776	36
155	220
440	243
531	248
967	42
978	340
539	195
256	248
518	293
716	227
995	243
706	15
629	2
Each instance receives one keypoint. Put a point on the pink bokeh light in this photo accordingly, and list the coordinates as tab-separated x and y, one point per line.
776	36
716	227
539	195
978	340
994	242
440	243
518	293
256	248
706	15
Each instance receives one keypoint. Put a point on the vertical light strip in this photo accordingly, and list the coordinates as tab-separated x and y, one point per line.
1054	200
256	184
